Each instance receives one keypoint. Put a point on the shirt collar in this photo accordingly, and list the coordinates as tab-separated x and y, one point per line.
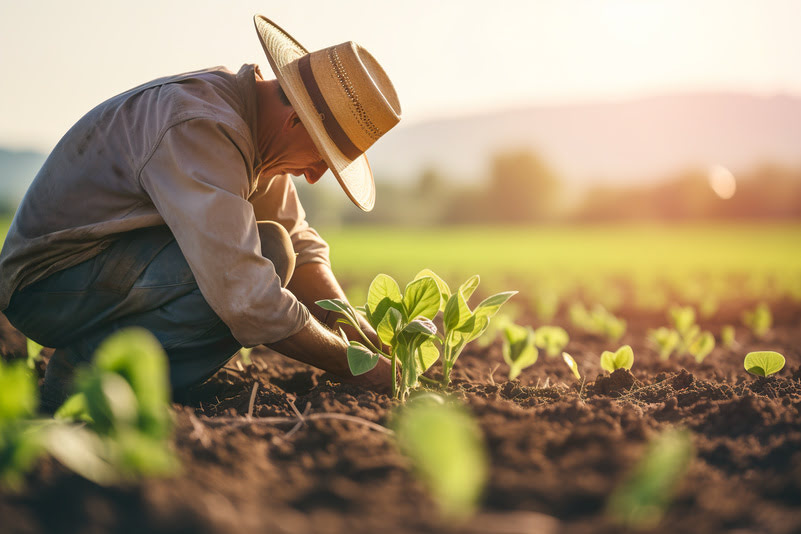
246	80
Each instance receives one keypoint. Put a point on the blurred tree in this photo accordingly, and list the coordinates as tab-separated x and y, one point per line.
522	187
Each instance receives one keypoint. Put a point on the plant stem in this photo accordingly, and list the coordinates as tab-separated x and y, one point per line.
394	376
429	381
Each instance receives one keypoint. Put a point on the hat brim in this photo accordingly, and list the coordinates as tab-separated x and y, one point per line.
353	175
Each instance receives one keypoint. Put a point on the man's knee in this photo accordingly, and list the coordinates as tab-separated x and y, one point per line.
276	246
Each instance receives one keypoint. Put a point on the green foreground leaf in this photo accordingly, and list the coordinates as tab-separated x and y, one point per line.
763	363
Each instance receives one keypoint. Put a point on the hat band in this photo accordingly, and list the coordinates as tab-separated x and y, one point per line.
332	127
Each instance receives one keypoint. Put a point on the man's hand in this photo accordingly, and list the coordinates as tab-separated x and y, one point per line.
318	346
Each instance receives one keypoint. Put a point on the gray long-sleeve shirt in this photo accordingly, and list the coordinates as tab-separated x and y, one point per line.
180	151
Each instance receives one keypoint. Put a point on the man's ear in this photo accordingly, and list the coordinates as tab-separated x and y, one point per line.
292	120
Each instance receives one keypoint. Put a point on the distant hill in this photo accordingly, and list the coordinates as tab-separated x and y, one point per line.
17	170
612	142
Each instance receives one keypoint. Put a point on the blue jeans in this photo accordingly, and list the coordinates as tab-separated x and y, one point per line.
141	279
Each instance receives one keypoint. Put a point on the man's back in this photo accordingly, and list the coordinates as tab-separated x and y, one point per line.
89	189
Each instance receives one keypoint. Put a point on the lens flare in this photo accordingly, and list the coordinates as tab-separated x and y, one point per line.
722	181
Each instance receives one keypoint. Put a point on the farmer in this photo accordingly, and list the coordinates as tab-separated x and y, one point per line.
170	207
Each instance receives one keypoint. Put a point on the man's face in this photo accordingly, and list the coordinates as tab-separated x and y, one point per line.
302	156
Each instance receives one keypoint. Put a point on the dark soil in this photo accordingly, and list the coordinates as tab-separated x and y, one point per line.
558	447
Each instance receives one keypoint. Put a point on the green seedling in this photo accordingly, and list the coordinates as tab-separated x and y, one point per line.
599	322
727	337
519	350
683	319
447	451
20	445
701	346
552	339
571	363
462	325
758	320
763	363
665	340
124	396
403	322
643	497
244	355
623	358
34	353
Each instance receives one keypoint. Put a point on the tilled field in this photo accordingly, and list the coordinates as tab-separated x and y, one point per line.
558	447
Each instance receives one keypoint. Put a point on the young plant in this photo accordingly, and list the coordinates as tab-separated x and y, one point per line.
763	363
19	445
727	337
758	320
552	339
34	353
403	322
599	322
665	340
683	319
460	324
519	350
447	451
701	346
124	396
571	363
623	358
641	500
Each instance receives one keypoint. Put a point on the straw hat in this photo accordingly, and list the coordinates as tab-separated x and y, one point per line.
344	99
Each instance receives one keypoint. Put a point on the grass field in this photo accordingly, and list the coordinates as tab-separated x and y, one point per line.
627	250
624	250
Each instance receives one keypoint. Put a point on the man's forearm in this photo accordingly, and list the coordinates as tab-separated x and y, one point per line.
320	347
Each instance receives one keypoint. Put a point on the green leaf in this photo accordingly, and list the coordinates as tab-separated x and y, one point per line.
727	336
383	294
82	451
571	363
427	355
519	350
552	339
421	298
763	363
444	290
456	312
702	346
642	498
683	318
389	326
34	352
74	408
623	358
447	451
18	391
336	305
421	326
490	305
469	286
361	359
136	355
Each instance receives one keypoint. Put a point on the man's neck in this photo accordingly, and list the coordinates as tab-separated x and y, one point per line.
271	114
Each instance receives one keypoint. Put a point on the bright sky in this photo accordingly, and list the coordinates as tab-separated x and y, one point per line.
58	59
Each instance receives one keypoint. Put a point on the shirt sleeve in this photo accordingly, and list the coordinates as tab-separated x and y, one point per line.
277	200
198	180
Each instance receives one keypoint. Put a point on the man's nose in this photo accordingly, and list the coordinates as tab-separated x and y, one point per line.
313	174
